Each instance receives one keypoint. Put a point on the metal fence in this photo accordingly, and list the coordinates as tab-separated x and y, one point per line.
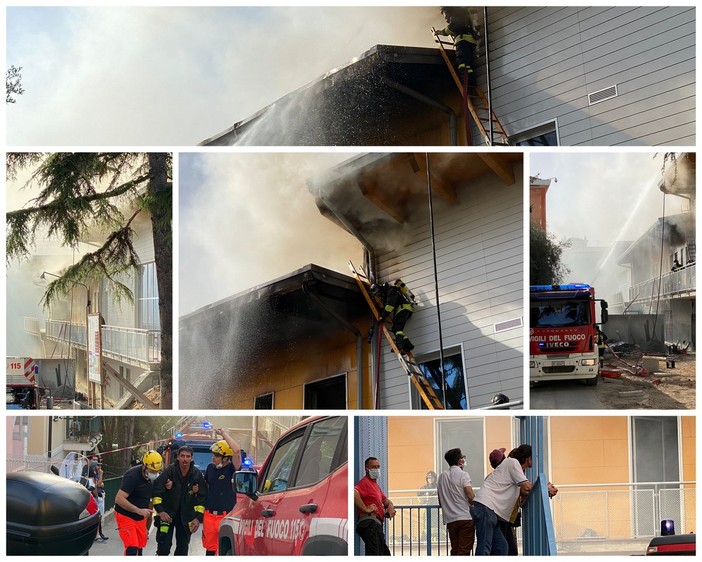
581	514
130	345
675	282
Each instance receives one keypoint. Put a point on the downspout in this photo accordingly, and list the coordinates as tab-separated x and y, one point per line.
346	324
487	72
453	129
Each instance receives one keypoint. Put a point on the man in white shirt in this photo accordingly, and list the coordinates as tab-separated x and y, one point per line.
455	494
500	496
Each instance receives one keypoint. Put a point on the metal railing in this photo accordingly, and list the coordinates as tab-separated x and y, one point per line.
129	345
578	514
671	284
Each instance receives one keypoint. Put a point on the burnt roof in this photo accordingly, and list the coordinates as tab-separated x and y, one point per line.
356	104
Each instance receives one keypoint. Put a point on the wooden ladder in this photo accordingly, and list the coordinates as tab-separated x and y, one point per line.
426	391
476	104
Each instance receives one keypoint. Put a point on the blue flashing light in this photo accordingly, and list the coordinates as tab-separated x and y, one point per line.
247	462
206	425
565	287
179	435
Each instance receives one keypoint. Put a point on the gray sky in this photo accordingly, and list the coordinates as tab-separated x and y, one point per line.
604	197
248	218
178	75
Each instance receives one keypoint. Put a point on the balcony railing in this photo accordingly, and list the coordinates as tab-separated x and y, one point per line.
581	514
672	284
133	346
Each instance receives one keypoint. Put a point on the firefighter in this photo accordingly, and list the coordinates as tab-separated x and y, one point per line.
465	38
601	343
397	301
179	499
133	509
221	498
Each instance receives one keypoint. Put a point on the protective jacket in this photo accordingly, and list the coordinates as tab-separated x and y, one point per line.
181	500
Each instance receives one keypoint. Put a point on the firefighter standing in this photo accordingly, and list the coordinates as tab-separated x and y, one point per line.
221	498
465	38
133	503
601	343
397	302
179	499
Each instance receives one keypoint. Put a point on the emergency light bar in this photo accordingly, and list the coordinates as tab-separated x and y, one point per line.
566	287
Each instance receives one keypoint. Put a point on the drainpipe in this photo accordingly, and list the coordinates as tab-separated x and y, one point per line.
487	71
346	324
453	129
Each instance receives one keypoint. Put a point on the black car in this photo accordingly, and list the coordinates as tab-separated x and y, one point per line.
49	515
672	545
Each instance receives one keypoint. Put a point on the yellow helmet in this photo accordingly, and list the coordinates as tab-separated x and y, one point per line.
153	461
221	447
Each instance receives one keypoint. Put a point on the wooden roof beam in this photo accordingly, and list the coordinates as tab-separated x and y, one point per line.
372	193
441	187
501	166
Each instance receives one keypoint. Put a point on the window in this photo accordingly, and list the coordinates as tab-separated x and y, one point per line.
468	435
430	365
543	135
264	402
325	451
281	465
327	394
147	299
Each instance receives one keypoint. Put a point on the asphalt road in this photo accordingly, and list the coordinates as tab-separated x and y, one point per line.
563	395
114	547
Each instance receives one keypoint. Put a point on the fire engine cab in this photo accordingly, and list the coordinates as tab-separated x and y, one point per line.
297	504
563	341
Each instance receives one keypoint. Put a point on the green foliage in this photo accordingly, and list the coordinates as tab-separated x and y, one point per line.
13	84
81	193
545	267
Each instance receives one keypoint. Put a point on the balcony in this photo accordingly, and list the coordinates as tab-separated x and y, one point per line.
674	284
133	346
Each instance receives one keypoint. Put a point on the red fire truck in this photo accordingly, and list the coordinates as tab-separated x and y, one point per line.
563	334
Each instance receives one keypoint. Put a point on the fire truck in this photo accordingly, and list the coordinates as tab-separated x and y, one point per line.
22	391
563	333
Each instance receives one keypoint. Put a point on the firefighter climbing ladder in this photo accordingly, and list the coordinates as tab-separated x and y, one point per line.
426	391
481	112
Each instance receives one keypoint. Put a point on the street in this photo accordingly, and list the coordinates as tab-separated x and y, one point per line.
114	547
564	395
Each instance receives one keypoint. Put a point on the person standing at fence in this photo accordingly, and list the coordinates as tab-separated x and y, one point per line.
455	495
372	506
499	496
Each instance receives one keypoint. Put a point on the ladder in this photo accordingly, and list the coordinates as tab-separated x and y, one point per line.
426	391
477	104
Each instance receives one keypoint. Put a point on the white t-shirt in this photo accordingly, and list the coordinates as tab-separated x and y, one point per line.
500	489
452	496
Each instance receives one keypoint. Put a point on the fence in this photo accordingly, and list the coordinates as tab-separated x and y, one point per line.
598	512
675	282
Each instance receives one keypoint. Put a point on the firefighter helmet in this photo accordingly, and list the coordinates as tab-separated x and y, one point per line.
499	399
153	461
222	448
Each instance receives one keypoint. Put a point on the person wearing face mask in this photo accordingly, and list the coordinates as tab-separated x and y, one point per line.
373	507
94	482
456	493
221	498
133	508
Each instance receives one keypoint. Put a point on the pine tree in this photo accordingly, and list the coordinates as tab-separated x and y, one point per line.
80	192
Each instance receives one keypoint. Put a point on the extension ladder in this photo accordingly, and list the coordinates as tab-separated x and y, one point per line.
426	391
476	104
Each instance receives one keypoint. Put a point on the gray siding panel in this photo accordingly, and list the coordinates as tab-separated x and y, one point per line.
545	61
480	263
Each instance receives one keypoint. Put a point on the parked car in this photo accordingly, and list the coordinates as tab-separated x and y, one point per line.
297	504
672	545
49	515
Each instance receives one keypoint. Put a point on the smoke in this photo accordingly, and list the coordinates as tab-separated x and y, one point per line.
246	219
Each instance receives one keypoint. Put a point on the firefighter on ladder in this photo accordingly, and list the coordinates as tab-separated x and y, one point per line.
397	303
465	38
